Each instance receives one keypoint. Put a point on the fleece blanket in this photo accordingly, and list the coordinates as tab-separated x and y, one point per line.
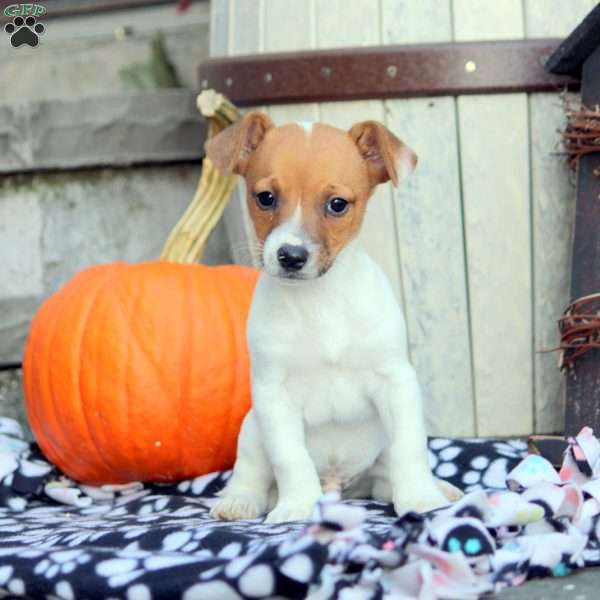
519	519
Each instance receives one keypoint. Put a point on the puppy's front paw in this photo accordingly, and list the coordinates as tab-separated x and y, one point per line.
291	510
419	499
238	507
451	492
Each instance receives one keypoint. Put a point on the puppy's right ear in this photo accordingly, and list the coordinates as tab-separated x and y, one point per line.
230	150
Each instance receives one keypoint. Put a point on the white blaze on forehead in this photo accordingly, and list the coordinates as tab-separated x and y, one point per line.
291	231
306	125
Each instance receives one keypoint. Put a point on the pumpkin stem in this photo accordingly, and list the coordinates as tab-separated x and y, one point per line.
187	240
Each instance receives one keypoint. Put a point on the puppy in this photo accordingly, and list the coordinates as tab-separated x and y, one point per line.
336	404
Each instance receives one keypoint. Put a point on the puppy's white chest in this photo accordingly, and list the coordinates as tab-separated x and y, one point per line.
331	395
320	341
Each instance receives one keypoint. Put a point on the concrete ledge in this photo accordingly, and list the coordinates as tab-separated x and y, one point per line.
11	399
53	225
156	127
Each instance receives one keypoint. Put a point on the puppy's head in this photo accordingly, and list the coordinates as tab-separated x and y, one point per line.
308	185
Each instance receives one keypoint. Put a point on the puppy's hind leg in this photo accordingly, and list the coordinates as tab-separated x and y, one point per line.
246	494
381	488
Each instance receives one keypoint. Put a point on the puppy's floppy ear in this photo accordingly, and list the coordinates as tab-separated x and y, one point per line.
387	157
230	150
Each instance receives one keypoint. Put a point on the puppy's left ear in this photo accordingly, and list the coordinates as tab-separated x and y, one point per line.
387	157
230	150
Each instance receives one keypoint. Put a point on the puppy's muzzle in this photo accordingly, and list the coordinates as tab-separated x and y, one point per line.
292	258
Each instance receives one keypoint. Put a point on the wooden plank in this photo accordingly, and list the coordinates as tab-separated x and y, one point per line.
495	176
244	27
333	21
238	31
409	22
583	387
493	133
290	26
219	28
553	213
293	113
339	24
476	20
429	223
554	18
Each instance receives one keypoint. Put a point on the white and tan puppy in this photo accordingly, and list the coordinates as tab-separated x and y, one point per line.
336	404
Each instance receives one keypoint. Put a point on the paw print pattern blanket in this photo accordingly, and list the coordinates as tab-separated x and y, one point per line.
519	519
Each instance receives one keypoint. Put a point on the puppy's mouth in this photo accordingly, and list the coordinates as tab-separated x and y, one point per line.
292	275
297	276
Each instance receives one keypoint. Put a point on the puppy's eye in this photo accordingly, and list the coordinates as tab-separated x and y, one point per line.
337	207
266	200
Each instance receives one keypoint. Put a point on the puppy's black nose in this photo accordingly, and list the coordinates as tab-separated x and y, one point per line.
292	258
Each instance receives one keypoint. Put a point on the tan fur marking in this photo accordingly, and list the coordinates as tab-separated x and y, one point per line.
310	170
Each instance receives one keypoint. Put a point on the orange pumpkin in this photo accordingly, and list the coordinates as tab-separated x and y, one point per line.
141	372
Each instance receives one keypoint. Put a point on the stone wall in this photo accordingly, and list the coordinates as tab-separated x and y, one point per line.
53	225
11	398
104	54
96	163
